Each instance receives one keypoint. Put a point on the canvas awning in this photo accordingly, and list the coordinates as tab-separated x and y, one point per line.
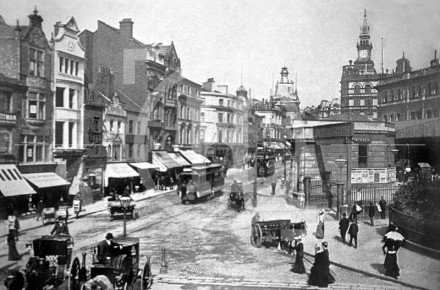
12	182
119	170
144	165
179	159
194	158
164	161
45	179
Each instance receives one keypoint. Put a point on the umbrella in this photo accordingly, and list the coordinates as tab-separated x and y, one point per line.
394	236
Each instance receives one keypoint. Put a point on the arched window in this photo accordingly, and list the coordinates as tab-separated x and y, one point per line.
412	116
385	118
391	118
368	89
428	114
399	117
357	89
419	115
435	113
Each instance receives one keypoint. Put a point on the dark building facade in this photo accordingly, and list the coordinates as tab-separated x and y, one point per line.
359	79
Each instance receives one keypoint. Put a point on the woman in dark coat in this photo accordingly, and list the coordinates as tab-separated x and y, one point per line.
390	249
319	271
13	254
298	267
371	211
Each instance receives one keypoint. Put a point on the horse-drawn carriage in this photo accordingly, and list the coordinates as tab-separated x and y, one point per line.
50	263
277	230
122	269
115	207
236	197
50	214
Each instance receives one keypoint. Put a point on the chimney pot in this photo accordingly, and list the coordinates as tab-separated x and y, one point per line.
126	27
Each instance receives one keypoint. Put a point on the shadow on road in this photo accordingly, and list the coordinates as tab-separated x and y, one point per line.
379	268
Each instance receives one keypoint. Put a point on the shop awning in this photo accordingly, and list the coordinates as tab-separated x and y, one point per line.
194	158
144	165
45	179
179	159
119	170
164	161
12	182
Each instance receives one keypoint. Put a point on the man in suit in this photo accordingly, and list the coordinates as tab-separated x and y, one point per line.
106	250
353	232
383	207
60	228
343	226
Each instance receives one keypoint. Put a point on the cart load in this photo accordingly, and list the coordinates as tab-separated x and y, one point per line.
277	230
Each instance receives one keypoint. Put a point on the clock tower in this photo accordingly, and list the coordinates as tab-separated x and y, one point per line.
364	46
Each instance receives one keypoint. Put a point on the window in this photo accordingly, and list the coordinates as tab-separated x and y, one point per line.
385	118
34	148
399	94
36	106
220	102
181	112
139	128
66	65
61	61
130	127
59	127
357	89
428	114
59	97
71	133
4	141
362	102
76	68
351	103
36	62
138	150
368	89
363	156
187	114
220	136
111	126
202	135
202	116
5	101
130	150
189	90
228	118
119	127
374	102
399	117
412	116
229	103
72	94
220	117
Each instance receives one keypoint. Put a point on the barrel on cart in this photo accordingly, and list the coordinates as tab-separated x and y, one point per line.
277	230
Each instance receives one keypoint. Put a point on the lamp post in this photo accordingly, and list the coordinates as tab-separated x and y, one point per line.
125	203
285	159
341	163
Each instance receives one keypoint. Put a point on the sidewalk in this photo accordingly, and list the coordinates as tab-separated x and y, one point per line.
29	222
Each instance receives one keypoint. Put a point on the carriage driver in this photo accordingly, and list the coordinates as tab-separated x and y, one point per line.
60	227
106	250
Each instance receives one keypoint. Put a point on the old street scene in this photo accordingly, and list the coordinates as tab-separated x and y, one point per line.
219	145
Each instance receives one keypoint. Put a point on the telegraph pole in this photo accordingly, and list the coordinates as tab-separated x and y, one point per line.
254	201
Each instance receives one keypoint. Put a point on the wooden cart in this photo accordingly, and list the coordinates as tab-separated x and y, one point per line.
116	208
48	214
276	230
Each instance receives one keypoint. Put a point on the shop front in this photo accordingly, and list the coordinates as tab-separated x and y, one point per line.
168	169
49	186
146	172
92	186
120	177
14	191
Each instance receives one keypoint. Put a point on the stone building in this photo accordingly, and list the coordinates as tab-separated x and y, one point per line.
359	79
69	64
286	96
411	99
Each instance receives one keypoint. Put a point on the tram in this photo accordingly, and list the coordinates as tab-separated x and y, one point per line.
201	181
265	162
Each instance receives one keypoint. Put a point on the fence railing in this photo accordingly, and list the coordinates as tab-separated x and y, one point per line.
364	193
419	230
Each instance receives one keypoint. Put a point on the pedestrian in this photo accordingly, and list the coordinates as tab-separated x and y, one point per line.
255	218
60	228
353	213
353	232
298	267
320	225
274	185
14	224
326	263
183	189
13	254
383	206
344	223
371	212
393	241
40	206
59	203
319	271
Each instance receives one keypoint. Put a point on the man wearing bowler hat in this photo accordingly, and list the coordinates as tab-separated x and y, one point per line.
106	249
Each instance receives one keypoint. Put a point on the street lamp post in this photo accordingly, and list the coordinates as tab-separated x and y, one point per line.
125	203
285	159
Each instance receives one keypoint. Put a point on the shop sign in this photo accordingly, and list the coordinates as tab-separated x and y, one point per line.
7	118
373	175
361	140
339	130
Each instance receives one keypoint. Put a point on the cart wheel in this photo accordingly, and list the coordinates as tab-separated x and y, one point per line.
257	236
74	282
147	278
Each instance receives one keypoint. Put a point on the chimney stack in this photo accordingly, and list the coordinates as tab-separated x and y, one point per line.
126	27
209	85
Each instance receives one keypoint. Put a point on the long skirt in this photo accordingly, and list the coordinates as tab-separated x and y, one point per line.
318	277
391	267
13	254
320	230
298	267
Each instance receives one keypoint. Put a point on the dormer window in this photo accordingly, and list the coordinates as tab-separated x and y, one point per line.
36	62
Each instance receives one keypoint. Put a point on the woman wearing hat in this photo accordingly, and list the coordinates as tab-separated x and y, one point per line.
298	267
320	226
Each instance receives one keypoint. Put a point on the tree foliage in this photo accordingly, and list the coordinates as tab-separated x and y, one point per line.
421	199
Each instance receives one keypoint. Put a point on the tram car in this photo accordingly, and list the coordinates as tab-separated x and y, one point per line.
49	261
236	197
122	270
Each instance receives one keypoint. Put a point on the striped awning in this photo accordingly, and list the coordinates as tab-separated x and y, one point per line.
12	182
45	179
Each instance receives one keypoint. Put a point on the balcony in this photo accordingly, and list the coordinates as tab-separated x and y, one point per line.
156	123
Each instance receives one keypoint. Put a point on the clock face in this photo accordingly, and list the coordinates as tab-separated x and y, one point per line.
363	53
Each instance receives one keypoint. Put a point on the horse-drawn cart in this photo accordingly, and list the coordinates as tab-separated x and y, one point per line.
277	230
115	207
122	269
236	197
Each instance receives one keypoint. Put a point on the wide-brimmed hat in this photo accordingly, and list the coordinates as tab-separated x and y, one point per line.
109	236
321	211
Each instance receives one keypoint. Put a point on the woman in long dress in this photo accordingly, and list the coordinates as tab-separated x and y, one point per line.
390	248
13	254
319	271
320	226
298	267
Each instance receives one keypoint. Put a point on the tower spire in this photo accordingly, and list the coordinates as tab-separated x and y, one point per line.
365	29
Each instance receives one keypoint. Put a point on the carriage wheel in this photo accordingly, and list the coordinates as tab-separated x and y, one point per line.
147	278
74	282
257	236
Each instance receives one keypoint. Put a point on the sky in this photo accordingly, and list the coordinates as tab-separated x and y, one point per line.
249	41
